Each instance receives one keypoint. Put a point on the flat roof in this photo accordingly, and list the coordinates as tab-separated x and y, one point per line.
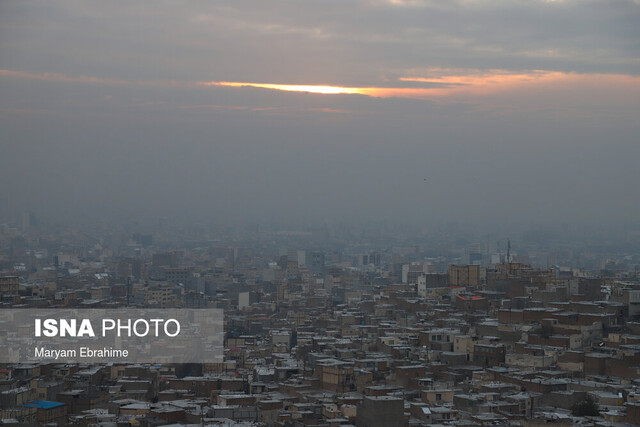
42	404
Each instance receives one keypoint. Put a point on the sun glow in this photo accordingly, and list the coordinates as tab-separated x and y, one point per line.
441	84
453	84
429	83
327	90
378	92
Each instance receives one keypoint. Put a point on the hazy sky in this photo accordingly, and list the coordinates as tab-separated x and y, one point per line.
473	110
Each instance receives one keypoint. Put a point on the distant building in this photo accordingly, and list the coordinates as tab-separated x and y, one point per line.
488	354
166	259
380	411
245	299
129	267
315	263
48	412
411	272
9	285
463	275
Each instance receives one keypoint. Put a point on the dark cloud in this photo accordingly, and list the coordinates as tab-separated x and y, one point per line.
331	42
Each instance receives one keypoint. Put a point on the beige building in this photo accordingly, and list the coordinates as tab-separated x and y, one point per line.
9	285
461	275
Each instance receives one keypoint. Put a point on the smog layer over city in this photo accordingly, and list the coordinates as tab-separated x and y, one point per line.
353	213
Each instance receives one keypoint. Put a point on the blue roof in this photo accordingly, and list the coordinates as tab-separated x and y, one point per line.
42	404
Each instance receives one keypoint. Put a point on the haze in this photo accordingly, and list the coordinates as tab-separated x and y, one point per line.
313	111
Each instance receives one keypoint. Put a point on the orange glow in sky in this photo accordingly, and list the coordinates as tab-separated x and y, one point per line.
457	84
488	82
379	92
327	90
432	83
441	84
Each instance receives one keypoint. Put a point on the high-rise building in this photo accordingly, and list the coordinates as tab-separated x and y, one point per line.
315	263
